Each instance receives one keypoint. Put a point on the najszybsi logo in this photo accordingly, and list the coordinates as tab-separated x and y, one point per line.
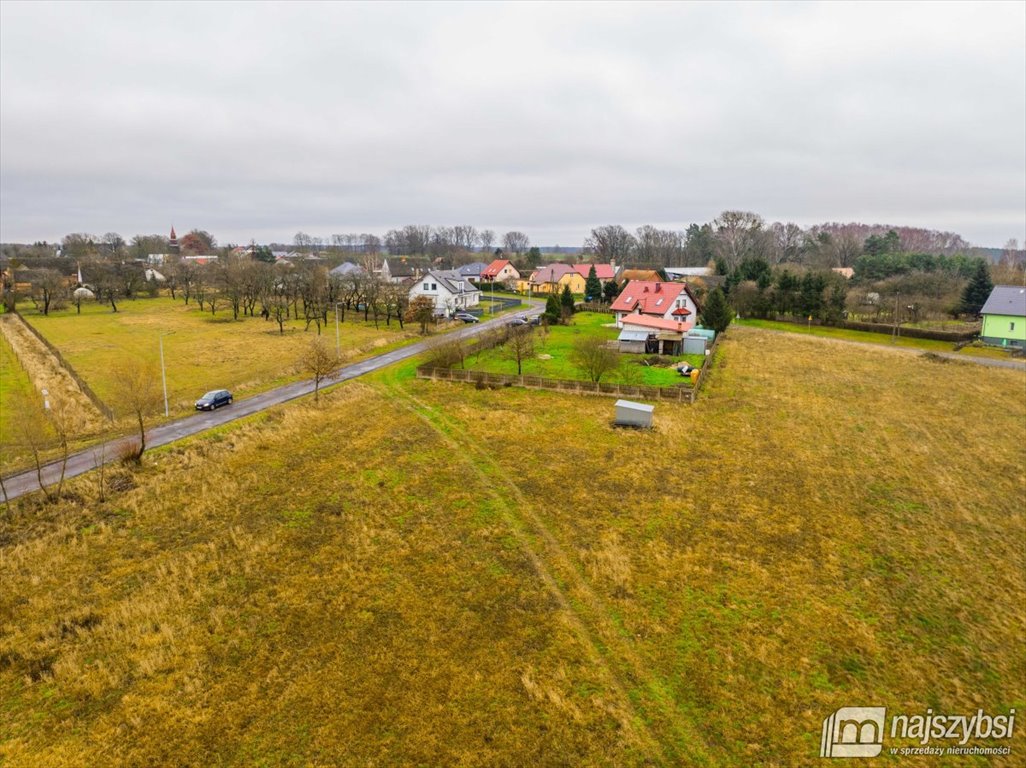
853	732
859	732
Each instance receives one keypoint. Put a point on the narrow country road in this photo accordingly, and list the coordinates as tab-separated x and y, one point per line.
990	362
86	460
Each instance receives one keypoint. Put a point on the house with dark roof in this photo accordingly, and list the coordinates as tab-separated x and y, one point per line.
473	270
670	301
450	291
397	271
1004	317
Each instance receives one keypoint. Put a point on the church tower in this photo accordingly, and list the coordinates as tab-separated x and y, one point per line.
172	243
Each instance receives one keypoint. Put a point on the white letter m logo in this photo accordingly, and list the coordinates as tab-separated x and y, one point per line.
853	732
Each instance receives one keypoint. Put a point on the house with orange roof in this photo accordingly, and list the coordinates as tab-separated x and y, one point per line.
669	301
500	271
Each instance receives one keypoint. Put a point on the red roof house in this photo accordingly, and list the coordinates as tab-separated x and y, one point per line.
670	301
604	272
499	271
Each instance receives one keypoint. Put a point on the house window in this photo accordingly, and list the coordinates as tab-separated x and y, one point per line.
434	286
1011	326
425	286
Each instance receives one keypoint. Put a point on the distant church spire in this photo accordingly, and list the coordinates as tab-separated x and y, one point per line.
173	241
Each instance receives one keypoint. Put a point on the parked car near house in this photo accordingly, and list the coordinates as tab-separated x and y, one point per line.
214	399
466	317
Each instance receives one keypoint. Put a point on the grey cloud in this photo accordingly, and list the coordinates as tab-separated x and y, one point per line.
260	120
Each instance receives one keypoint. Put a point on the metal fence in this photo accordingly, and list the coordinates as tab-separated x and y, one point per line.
503	302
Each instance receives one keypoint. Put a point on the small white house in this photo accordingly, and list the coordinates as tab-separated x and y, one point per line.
450	291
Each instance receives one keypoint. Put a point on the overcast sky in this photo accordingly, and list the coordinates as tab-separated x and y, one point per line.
260	120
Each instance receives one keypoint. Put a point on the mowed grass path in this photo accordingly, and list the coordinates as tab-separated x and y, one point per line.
202	352
553	354
422	573
868	337
16	390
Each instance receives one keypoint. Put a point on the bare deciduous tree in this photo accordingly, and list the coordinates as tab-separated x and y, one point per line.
137	393
515	241
319	361
594	357
611	242
48	290
519	345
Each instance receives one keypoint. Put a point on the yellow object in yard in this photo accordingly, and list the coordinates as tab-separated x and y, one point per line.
695	372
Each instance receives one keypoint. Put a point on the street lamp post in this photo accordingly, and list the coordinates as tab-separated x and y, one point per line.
163	374
338	339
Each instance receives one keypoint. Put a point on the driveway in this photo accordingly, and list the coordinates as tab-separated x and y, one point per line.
86	460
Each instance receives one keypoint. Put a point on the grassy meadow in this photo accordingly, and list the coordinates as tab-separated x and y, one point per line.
868	337
202	351
422	573
553	358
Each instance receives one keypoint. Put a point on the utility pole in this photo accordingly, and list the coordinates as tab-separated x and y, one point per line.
163	374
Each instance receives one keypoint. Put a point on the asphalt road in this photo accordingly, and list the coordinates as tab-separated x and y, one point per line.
88	459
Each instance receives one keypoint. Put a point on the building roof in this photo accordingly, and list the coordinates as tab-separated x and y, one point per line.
628	334
552	273
346	268
602	271
451	279
399	269
639	274
1006	300
493	269
675	272
656	323
474	269
649	297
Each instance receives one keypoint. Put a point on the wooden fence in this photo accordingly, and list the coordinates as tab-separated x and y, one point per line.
101	406
438	373
681	394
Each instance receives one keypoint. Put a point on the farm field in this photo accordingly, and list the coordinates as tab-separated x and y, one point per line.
554	350
927	345
201	351
424	573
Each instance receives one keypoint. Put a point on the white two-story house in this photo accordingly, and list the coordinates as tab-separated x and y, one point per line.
450	290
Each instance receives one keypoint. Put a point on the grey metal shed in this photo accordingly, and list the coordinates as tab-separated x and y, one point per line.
694	345
631	414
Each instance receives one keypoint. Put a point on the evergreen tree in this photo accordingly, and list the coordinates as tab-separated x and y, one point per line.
611	291
566	300
716	313
553	313
978	290
593	286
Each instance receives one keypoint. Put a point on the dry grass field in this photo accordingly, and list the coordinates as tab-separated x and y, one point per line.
419	573
16	390
203	352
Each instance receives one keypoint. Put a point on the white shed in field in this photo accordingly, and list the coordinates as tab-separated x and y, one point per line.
631	414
